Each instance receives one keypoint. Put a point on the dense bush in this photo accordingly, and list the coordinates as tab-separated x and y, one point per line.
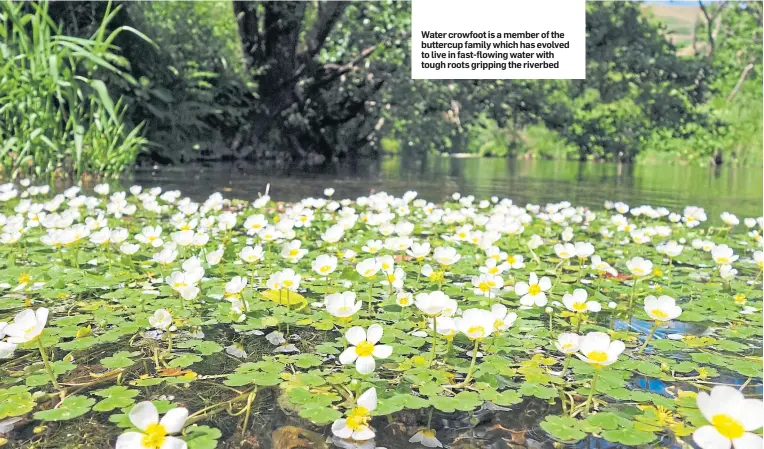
56	119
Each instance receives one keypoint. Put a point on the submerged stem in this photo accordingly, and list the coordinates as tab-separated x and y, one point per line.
47	364
649	336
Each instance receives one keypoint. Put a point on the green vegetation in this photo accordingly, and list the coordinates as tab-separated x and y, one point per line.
318	81
372	321
56	119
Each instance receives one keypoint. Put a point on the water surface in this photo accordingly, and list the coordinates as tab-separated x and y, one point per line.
717	189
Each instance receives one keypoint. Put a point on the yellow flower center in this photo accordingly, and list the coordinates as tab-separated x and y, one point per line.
287	283
429	433
597	356
484	287
325	269
24	278
659	314
475	332
293	252
567	346
185	227
493	270
155	436
403	301
723	260
638	271
364	349
579	306
728	426
498	324
511	260
534	289
358	418
740	299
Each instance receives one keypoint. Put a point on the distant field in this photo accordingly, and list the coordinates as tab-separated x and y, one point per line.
680	21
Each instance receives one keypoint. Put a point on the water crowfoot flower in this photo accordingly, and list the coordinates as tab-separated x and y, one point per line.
356	425
659	309
364	349
533	292
426	437
153	432
597	350
732	418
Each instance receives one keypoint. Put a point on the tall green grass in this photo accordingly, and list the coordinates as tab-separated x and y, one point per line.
57	118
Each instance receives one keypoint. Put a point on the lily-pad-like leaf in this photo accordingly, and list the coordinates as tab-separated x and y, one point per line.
69	408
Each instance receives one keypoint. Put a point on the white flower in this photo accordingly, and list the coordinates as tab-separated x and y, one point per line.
727	273
584	249
758	257
486	284
640	267
568	343
364	348
732	418
404	299
723	255
419	250
576	302
532	292
161	319
431	304
534	242
356	425
292	252
565	250
324	265
368	268
214	257
235	286
154	434
670	248
602	267
663	308
597	349
730	219
515	262
251	255
372	246
166	256
6	349
342	305
27	325
329	192
426	437
446	256
502	319
129	248
476	324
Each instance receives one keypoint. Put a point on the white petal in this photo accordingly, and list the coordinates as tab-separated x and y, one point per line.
143	414
708	438
173	443
727	400
355	335
174	419
749	440
368	399
382	351
521	288
365	364
41	315
348	355
26	318
750	415
704	405
130	440
374	334
341	430
545	283
363	434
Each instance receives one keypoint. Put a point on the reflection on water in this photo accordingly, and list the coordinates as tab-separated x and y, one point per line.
734	189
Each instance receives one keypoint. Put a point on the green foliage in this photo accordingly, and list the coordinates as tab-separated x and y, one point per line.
56	118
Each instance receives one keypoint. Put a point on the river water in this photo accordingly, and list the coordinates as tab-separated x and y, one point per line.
717	189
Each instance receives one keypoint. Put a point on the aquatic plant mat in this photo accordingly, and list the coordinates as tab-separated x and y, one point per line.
143	319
